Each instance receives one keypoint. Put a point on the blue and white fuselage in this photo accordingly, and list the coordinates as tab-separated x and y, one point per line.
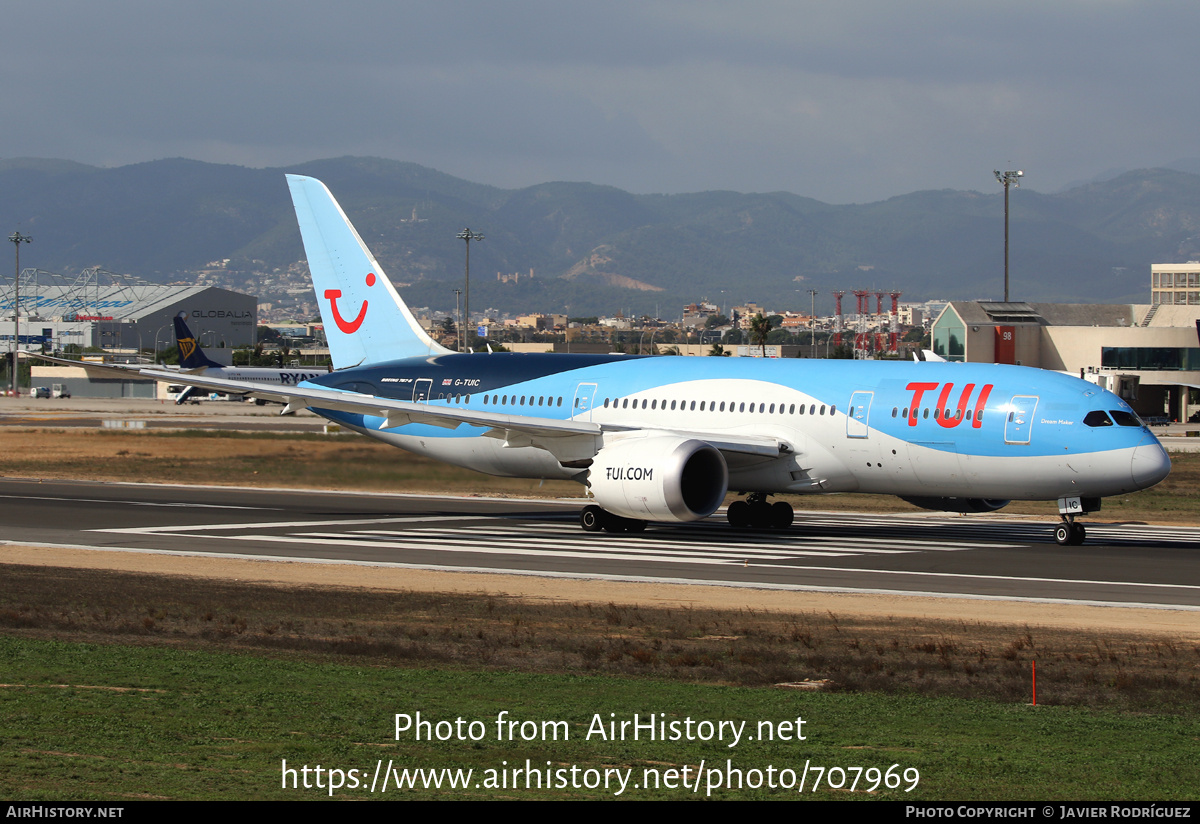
665	438
835	426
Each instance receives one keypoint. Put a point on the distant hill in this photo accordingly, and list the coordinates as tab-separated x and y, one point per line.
597	249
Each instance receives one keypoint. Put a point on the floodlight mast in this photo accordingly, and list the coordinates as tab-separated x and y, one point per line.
17	239
467	235
812	323
1006	179
458	328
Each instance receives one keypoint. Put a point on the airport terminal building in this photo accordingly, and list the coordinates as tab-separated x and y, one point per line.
1149	354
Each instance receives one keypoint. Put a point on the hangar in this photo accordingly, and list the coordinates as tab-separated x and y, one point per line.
120	314
112	311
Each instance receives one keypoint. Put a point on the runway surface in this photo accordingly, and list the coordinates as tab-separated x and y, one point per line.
983	557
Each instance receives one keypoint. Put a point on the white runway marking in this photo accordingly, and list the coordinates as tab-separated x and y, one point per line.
705	544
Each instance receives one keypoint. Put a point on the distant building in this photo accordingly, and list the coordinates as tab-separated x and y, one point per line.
121	317
515	277
1150	354
911	314
1175	284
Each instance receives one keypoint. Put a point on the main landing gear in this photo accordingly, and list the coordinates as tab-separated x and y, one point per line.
595	519
756	513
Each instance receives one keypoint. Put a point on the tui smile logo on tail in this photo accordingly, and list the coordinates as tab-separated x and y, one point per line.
348	326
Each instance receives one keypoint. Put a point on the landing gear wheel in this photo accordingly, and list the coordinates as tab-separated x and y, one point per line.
756	513
739	514
781	515
760	514
592	518
595	519
615	523
1069	534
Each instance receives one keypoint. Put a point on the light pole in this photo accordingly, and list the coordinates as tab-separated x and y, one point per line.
812	323
138	329
17	239
156	334
1007	179
467	235
458	328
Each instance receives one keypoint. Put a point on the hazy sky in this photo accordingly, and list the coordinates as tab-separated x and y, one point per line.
844	102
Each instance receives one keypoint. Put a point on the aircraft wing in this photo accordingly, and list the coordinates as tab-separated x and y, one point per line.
104	371
568	440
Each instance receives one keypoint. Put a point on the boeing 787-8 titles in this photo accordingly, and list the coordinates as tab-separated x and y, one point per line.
663	439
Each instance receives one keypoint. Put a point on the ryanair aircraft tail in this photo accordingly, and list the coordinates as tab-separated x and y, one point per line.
365	320
191	356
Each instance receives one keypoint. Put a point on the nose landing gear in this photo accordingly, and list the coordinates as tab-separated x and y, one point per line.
1069	533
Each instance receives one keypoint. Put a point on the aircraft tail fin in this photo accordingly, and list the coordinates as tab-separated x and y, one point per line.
191	356
365	320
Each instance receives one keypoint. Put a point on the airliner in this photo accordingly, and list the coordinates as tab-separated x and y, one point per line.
193	362
664	439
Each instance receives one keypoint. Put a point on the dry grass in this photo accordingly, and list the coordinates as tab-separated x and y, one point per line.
741	647
341	462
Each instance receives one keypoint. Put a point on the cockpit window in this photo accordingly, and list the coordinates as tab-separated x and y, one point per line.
1097	418
1125	418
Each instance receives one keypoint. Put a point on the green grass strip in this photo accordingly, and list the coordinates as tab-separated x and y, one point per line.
112	723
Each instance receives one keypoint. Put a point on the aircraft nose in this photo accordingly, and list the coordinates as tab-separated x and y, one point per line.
1150	463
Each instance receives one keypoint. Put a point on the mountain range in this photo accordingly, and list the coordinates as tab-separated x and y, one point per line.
597	249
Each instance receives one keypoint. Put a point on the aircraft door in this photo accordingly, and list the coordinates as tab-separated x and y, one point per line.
421	390
581	409
859	414
1020	419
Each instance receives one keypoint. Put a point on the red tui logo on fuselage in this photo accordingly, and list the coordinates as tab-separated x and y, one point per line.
945	416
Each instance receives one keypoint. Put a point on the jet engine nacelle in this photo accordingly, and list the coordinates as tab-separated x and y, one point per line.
957	504
659	478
